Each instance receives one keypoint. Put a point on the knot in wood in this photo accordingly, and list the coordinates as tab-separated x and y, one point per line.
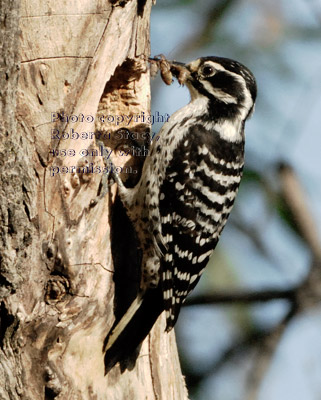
56	289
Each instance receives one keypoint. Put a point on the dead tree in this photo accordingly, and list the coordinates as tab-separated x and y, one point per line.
64	66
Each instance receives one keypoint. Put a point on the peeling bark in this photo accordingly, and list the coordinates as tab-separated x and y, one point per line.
57	266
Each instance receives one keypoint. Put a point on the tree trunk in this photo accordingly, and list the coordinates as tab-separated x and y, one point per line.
83	60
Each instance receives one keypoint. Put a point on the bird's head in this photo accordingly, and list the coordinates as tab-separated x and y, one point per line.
229	86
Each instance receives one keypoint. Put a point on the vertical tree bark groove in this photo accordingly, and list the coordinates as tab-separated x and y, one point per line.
87	60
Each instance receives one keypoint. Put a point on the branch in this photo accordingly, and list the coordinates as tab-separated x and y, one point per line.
295	198
265	351
308	293
243	297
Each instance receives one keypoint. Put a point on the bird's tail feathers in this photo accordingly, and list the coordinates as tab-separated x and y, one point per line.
114	333
130	331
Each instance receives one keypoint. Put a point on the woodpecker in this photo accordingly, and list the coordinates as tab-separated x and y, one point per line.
185	194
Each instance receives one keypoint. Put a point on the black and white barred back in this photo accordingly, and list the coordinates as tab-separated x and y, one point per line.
190	180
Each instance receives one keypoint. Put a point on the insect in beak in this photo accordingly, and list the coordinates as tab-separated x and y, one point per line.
168	69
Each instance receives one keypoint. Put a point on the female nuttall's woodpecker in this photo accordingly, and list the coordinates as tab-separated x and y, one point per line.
185	194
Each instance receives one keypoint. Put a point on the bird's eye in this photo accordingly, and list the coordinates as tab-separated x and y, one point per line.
208	70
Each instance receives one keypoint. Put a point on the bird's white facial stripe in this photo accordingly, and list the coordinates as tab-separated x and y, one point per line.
226	97
216	66
248	101
251	112
218	93
193	92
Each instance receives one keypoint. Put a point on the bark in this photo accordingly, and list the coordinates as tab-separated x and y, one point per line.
57	264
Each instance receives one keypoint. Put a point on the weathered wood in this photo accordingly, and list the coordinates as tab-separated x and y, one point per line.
77	57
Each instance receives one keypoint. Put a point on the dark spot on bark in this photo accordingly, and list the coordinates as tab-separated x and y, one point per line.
140	7
5	321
